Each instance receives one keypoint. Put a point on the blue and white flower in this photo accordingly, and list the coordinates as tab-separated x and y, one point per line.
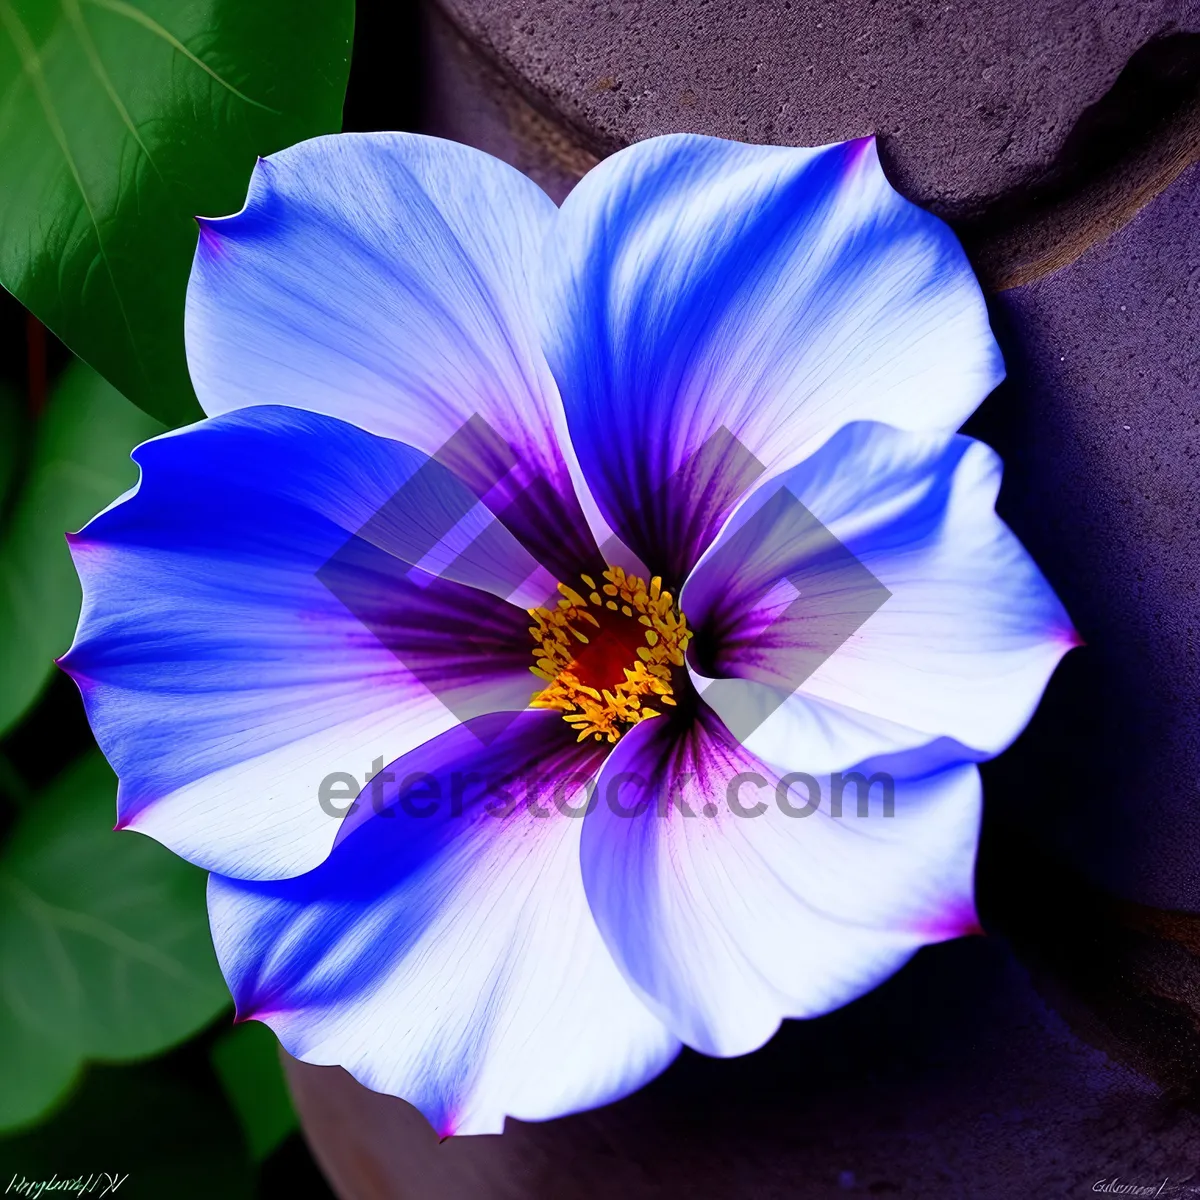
392	312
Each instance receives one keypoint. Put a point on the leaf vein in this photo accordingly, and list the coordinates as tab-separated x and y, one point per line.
74	15
32	63
132	13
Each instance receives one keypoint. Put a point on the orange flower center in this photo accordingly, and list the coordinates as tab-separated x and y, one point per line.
607	655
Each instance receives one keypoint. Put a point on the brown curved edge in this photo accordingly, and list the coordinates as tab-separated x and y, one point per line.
471	99
1124	150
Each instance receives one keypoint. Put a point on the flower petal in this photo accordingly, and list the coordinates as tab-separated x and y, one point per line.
718	309
251	625
445	952
728	923
387	279
870	600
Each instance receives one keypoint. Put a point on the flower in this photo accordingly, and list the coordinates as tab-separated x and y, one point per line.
709	407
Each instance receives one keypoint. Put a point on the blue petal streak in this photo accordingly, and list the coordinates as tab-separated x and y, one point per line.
717	310
252	623
389	279
445	951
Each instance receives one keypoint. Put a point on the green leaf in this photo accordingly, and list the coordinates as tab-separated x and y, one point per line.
80	463
246	1060
104	944
120	120
159	1137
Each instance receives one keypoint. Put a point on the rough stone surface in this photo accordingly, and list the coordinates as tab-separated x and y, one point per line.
966	1075
1099	426
952	1080
467	99
971	101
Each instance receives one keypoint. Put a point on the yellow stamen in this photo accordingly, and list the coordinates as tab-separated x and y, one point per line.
634	611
